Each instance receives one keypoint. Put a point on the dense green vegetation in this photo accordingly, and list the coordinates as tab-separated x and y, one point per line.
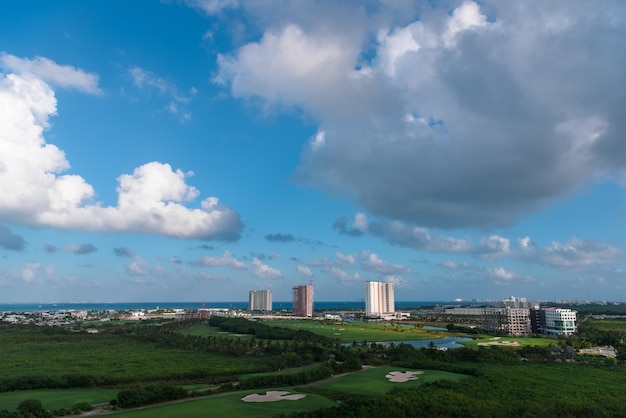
57	398
616	325
514	390
595	309
132	398
149	363
39	357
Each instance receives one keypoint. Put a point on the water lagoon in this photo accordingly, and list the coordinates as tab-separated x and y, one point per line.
447	342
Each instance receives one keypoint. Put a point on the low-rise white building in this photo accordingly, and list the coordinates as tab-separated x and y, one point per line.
557	321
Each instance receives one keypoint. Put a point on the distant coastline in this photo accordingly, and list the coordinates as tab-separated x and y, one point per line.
129	306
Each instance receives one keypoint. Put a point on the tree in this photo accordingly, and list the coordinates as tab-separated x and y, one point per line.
32	408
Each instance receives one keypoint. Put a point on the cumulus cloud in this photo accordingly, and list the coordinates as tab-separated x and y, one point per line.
32	272
468	117
345	259
263	271
398	281
11	241
81	249
500	273
575	255
50	248
493	246
371	262
138	267
37	193
64	76
305	271
226	260
402	234
342	275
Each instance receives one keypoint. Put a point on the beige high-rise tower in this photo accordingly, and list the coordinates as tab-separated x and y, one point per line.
302	299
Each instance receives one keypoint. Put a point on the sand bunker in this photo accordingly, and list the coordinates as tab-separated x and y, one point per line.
502	343
272	396
401	377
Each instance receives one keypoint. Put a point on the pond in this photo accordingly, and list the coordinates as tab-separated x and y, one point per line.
447	342
430	327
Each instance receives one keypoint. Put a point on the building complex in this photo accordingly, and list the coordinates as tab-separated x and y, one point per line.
515	317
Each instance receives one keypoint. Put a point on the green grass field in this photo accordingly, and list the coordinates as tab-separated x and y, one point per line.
509	341
230	405
347	332
57	399
373	381
608	324
205	330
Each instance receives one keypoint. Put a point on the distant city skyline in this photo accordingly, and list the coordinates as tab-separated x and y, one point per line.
457	149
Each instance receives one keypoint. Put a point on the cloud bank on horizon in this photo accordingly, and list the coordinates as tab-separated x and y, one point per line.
448	132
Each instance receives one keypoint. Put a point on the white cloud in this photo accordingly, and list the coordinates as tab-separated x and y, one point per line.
511	106
29	274
138	267
398	281
493	246
371	262
360	221
263	271
501	274
81	248
212	7
64	76
288	66
399	233
342	275
146	80
345	259
579	255
451	264
464	17
37	193
305	271
226	260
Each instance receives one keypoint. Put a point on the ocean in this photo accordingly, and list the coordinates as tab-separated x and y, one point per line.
129	306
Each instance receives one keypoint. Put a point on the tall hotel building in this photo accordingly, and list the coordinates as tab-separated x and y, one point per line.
379	299
260	300
302	298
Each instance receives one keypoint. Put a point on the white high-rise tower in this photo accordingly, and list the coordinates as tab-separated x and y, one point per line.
379	299
260	300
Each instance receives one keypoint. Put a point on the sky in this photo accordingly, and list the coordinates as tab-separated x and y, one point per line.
194	150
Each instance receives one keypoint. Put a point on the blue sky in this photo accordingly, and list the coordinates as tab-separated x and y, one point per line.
195	150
